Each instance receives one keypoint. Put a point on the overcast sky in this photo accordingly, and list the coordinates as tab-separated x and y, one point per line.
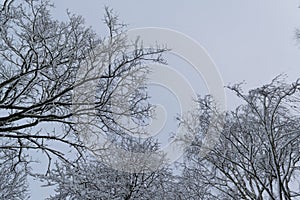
251	40
248	40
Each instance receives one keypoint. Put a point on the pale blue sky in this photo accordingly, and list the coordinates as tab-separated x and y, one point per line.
251	40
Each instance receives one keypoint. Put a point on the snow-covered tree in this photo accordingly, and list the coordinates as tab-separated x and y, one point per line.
91	179
13	182
40	62
257	155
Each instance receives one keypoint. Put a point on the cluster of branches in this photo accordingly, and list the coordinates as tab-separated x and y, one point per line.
40	59
41	62
13	182
257	155
93	179
47	65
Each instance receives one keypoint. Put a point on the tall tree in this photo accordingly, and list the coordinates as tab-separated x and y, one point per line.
40	61
257	155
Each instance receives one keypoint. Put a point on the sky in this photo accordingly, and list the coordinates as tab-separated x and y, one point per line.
251	41
248	40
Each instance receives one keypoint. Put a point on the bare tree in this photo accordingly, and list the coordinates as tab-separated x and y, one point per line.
257	156
40	61
91	179
13	183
